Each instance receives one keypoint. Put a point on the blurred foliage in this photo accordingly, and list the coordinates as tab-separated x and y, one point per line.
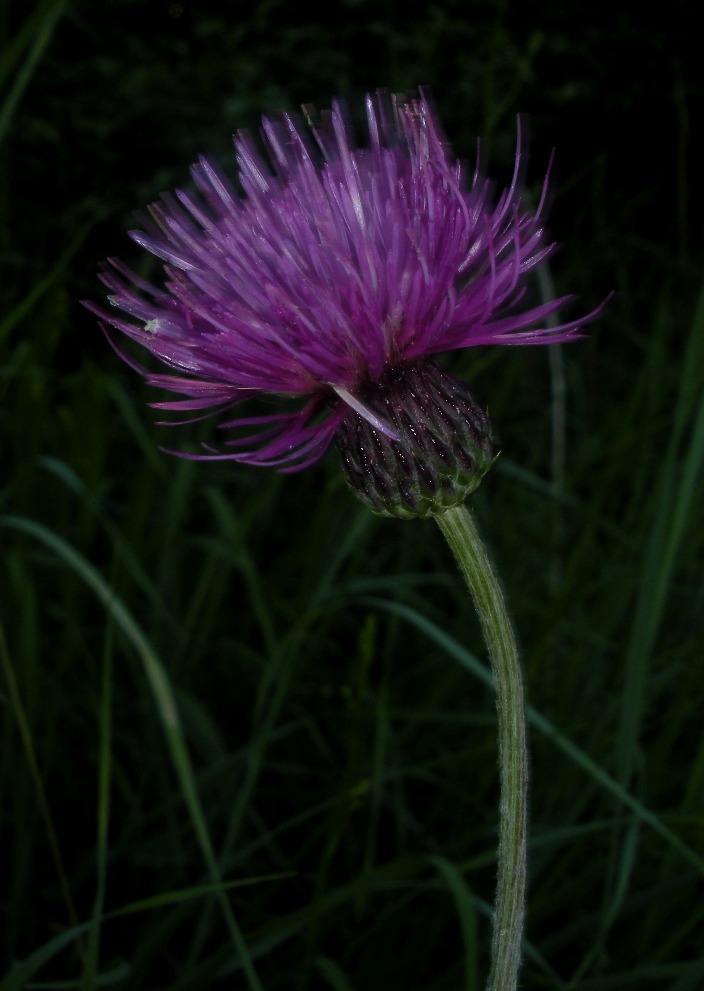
337	750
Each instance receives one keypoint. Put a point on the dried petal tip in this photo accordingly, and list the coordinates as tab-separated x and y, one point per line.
442	451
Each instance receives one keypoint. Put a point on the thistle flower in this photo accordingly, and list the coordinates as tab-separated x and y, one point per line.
333	281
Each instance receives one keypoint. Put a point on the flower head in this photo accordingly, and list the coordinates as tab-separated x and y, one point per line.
327	277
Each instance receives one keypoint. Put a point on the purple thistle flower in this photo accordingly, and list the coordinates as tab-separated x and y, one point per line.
339	270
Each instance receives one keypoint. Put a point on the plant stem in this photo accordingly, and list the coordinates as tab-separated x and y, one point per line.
461	533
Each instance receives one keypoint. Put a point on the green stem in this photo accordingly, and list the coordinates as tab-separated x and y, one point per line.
461	533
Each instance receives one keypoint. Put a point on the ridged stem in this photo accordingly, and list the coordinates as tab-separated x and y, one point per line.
461	533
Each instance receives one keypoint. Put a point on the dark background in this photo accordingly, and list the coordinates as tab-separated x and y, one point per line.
334	743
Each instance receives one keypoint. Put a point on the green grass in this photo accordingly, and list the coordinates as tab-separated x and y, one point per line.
247	737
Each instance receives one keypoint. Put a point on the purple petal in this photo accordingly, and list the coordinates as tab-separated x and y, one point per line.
338	263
